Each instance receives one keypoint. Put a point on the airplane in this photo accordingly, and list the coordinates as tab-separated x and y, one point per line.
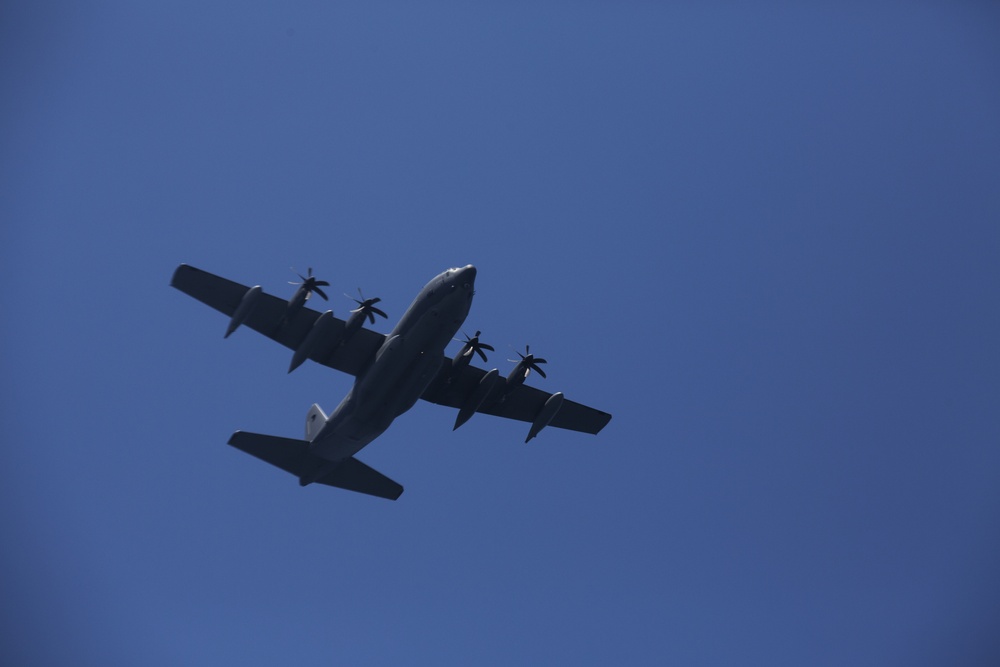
392	371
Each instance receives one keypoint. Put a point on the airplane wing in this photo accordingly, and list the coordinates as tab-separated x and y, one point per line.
268	318
524	403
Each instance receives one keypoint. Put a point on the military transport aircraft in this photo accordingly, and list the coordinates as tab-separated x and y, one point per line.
391	372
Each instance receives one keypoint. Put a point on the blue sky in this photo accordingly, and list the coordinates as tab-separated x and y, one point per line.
764	238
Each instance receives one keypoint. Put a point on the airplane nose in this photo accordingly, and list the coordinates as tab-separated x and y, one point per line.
469	273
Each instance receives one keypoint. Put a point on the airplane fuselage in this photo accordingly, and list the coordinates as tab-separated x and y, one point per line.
403	367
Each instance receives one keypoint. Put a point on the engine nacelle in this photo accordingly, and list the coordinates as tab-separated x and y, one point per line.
243	310
478	396
320	328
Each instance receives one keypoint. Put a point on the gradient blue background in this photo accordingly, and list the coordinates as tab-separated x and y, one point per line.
766	238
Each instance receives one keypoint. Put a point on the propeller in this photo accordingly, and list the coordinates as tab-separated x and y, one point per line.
473	346
310	284
529	361
367	306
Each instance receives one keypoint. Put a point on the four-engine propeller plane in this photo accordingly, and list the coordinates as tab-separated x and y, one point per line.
391	372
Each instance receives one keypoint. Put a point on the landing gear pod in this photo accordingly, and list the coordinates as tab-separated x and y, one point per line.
243	310
319	328
546	414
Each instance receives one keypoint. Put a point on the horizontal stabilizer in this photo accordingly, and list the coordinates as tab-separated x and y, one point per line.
354	475
294	456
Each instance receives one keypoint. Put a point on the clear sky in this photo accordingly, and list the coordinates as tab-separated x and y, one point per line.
765	238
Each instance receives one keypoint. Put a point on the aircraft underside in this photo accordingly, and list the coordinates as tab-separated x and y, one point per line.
391	373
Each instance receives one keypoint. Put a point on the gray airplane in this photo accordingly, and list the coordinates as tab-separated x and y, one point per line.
391	372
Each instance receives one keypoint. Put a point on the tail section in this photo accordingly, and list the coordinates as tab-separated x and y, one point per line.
315	419
294	456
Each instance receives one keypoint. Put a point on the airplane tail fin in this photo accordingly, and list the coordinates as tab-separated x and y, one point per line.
294	456
315	420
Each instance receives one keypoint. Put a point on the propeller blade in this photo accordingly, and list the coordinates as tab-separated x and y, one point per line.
367	306
473	346
310	284
529	362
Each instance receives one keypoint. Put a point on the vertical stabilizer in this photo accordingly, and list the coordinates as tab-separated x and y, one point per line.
315	419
